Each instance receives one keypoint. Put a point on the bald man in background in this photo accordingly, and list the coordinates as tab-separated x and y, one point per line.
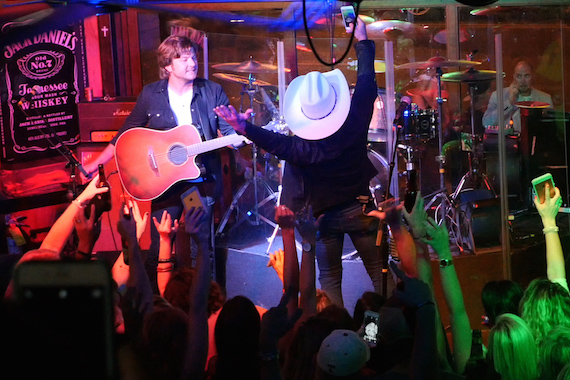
520	90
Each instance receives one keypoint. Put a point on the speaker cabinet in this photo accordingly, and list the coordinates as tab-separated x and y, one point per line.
100	121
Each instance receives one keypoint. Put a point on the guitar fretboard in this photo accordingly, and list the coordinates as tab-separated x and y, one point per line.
209	145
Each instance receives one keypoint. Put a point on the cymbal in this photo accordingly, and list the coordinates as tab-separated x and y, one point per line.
441	36
249	66
532	104
470	76
385	28
435	62
241	80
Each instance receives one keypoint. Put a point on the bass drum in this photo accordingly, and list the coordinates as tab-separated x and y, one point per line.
379	182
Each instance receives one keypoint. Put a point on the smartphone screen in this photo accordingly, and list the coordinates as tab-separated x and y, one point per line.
65	312
370	326
539	185
348	15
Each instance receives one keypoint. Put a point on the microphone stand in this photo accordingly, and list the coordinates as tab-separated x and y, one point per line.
381	239
61	148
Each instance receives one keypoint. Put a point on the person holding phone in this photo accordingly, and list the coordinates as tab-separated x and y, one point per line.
327	166
178	98
519	90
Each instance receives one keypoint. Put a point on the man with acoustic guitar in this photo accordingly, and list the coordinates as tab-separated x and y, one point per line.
172	122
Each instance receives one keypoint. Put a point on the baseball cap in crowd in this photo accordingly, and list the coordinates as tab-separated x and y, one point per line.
317	104
342	353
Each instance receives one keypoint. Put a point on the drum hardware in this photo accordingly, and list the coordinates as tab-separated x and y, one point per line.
446	212
256	181
250	66
241	80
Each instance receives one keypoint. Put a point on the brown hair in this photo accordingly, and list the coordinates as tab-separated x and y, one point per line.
173	47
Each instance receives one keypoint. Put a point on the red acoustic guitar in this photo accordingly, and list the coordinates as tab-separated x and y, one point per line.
150	161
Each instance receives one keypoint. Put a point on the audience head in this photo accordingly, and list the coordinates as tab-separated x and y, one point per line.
40	254
177	291
323	300
237	333
499	297
301	357
545	305
337	314
553	353
165	332
342	355
512	348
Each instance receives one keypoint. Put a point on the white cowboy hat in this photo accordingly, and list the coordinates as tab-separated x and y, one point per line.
317	104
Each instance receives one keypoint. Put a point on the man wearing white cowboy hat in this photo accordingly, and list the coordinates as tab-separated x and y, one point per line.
327	162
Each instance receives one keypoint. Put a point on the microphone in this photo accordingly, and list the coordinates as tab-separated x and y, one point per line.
404	103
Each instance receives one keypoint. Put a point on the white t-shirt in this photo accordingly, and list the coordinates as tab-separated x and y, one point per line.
180	105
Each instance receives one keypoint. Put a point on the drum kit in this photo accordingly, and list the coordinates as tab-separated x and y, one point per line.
263	193
418	126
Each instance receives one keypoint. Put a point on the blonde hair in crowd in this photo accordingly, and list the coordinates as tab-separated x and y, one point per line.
512	349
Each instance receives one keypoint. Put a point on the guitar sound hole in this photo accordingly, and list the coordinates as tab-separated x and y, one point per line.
177	154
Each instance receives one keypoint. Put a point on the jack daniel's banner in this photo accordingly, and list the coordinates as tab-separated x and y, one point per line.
39	95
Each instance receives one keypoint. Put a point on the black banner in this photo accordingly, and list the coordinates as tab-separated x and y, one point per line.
40	95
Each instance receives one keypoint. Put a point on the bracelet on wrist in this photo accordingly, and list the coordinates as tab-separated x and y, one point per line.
79	203
546	230
166	261
165	269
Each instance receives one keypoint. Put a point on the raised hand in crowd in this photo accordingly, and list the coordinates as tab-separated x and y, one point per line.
416	295
196	224
438	238
166	229
63	226
276	260
286	220
87	230
275	323
555	263
308	226
139	293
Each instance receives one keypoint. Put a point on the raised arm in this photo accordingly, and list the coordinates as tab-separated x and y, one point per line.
166	229
416	220
197	226
438	239
63	226
555	264
308	227
286	219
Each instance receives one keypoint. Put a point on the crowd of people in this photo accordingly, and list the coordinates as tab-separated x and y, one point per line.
175	321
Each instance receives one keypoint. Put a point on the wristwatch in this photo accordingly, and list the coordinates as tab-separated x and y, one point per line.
444	263
307	247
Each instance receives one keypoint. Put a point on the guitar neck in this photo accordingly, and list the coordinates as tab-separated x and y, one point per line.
217	143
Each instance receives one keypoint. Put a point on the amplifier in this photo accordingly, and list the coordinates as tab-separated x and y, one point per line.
100	121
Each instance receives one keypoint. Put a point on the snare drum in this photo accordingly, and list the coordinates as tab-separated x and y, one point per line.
419	124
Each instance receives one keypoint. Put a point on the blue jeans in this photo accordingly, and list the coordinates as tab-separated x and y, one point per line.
362	230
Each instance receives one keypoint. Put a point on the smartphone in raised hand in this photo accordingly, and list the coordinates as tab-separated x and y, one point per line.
192	198
370	327
539	183
348	15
